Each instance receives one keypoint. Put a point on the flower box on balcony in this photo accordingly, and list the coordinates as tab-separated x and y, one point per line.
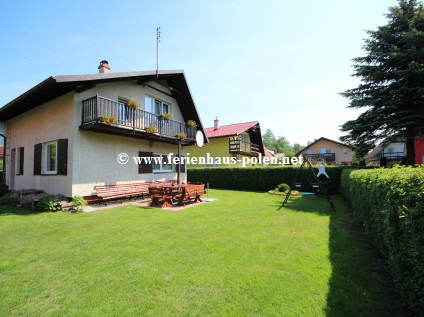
181	135
107	119
166	116
152	129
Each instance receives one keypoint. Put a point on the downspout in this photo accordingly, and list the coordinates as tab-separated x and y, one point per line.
3	177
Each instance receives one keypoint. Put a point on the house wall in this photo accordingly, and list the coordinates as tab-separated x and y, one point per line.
217	147
95	154
95	161
48	122
128	89
335	148
395	146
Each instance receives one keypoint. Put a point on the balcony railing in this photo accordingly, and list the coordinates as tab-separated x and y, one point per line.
392	155
328	157
243	147
131	119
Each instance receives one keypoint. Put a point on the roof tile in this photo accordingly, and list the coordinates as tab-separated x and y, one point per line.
230	129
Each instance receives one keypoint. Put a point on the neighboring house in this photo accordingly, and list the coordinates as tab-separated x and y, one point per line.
332	152
56	142
392	150
419	150
233	140
269	153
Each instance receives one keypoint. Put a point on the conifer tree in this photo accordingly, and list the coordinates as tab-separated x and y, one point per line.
392	82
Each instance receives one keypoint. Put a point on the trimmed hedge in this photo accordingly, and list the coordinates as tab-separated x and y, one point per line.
390	204
260	178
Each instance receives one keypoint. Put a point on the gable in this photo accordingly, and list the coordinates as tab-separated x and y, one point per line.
324	142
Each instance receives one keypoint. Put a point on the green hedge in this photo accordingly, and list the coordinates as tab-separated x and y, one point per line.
259	178
390	204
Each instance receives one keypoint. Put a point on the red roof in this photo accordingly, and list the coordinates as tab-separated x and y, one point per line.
230	129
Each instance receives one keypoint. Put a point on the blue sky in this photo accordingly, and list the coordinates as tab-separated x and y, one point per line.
280	62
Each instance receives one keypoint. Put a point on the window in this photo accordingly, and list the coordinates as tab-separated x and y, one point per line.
325	150
162	166
20	161
50	157
390	150
156	106
309	151
345	151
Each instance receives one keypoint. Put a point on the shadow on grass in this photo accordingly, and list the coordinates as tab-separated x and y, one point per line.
11	210
360	284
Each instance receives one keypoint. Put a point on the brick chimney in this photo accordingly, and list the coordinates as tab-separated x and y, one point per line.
104	67
216	124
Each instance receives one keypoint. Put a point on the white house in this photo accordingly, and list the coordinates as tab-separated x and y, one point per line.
392	150
56	140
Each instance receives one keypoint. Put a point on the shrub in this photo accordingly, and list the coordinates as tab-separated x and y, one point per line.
283	188
49	204
7	200
260	178
78	202
389	202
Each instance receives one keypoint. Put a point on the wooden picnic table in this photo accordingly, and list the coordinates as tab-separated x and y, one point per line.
163	194
166	193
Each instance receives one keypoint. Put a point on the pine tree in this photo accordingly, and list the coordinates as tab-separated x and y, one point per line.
392	88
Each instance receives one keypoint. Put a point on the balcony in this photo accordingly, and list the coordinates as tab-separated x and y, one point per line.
328	157
132	122
243	147
392	155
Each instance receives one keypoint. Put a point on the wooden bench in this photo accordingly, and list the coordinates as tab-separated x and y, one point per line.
193	191
122	190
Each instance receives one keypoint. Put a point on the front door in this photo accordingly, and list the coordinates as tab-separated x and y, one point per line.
12	169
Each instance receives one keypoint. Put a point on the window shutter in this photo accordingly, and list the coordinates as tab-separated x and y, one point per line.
37	158
143	167
183	166
62	157
21	161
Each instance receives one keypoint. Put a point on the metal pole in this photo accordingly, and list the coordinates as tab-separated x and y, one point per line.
179	164
157	50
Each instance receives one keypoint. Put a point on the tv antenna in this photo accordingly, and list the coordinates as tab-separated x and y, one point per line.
157	50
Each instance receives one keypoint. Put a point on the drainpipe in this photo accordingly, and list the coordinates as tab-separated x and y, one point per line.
3	177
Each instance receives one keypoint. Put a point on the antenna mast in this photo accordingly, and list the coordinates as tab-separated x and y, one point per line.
157	50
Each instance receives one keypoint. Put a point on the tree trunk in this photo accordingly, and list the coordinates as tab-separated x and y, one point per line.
410	149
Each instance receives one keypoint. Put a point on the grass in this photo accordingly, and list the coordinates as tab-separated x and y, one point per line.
242	255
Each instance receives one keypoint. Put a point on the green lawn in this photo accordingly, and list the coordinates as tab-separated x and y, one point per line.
239	256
